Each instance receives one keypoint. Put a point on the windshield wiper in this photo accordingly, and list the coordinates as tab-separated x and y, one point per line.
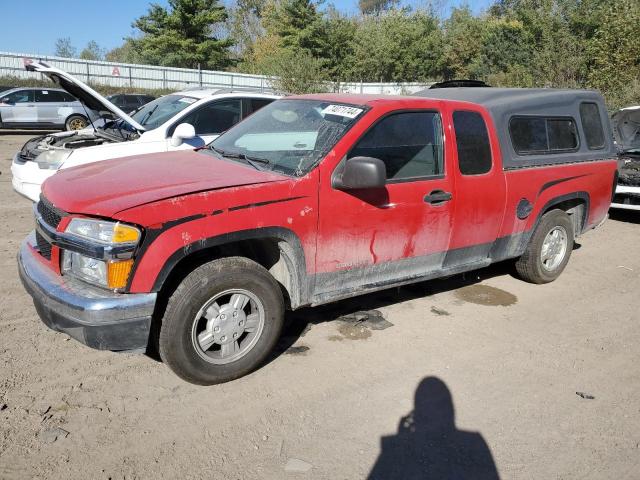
148	115
253	161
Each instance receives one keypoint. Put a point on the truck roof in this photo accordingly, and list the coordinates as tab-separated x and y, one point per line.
503	104
501	99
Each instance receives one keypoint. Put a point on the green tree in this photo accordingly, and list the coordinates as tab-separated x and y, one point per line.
296	72
125	53
183	35
505	54
297	23
463	38
614	53
245	25
64	48
92	51
339	32
376	7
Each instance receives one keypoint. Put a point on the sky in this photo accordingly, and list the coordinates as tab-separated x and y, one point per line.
32	26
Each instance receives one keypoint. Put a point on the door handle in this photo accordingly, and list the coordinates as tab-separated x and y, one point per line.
438	197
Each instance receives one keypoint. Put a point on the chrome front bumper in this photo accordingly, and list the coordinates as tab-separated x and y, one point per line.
98	318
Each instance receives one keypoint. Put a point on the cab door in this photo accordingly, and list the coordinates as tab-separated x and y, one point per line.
47	104
480	188
369	238
18	108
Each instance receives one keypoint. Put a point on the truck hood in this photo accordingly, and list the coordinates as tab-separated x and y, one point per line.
108	187
87	95
626	127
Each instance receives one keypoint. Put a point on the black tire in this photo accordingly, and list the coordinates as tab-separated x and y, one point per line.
530	266
76	122
176	343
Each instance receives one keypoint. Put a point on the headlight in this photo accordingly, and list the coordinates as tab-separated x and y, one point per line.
112	274
52	159
109	273
103	232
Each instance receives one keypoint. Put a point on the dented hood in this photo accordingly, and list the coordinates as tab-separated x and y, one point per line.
87	95
108	187
626	127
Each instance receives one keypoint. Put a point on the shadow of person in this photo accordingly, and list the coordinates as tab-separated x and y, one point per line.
428	445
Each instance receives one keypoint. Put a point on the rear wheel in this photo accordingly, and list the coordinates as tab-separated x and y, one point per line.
222	321
76	122
549	249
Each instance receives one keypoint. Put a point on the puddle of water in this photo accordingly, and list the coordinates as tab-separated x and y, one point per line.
354	331
297	350
440	311
486	295
371	319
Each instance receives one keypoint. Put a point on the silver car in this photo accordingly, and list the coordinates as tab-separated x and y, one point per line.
41	108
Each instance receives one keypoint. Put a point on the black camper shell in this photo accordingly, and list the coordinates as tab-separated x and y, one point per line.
541	126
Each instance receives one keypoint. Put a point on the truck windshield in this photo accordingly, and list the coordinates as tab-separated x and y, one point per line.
290	136
155	113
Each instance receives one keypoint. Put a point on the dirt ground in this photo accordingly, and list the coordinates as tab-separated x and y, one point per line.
536	382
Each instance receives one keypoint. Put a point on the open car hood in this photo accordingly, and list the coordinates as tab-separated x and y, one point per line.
626	127
87	95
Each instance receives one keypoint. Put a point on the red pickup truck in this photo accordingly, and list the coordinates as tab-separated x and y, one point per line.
310	200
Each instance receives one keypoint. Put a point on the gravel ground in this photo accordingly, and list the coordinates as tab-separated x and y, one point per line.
534	382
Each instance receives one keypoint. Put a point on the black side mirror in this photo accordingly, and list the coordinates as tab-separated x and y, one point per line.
360	173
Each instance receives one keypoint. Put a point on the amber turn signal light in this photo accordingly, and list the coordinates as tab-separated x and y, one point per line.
118	273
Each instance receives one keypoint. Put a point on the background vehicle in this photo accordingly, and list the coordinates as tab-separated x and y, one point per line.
41	108
128	102
183	120
626	127
310	200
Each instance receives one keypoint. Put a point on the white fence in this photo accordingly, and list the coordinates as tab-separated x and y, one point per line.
148	76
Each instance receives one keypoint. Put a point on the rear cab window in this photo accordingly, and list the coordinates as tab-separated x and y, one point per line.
472	142
409	143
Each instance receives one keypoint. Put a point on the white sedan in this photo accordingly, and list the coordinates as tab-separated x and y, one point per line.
183	120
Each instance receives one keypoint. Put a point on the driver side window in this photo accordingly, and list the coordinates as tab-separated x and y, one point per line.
22	96
409	144
214	118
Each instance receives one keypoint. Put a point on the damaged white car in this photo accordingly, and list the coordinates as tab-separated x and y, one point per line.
626	127
183	120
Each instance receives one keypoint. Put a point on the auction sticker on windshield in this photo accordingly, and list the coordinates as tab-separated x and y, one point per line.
187	100
342	111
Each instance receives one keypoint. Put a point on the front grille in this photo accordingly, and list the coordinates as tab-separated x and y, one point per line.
50	214
43	246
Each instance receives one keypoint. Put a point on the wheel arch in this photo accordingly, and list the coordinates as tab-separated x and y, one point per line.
575	204
277	249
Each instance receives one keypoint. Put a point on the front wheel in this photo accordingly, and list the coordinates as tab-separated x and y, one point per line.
549	249
222	321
